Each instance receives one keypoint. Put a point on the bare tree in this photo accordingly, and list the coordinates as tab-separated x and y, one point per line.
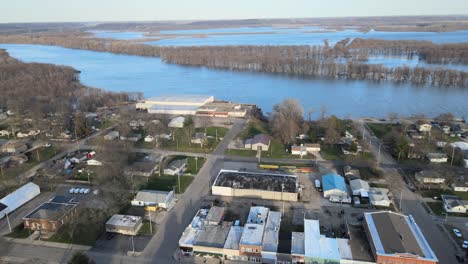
286	120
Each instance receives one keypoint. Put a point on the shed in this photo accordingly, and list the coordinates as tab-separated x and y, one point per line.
334	185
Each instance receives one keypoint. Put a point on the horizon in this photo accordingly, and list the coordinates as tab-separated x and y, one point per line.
56	11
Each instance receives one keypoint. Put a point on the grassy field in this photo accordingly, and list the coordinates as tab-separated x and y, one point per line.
438	193
241	152
331	152
380	130
19	232
167	183
194	166
146	230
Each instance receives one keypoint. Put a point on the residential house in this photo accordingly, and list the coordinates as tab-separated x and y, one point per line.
161	199
429	176
299	150
124	224
425	128
142	168
396	238
379	197
359	187
51	215
132	137
14	147
176	167
112	135
177	122
437	157
334	185
310	148
198	138
460	184
260	141
453	204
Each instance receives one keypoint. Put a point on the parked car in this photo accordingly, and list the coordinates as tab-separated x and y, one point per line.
457	232
318	185
77	190
465	244
47	145
86	191
72	190
82	190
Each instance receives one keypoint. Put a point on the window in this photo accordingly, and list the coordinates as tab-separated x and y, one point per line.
256	250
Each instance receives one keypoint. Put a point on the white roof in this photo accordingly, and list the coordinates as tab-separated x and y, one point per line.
359	184
152	196
192	230
234	237
297	243
344	248
319	246
460	144
124	220
271	235
258	215
185	98
252	235
177	122
19	197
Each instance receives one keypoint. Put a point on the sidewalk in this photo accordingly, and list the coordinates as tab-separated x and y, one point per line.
48	244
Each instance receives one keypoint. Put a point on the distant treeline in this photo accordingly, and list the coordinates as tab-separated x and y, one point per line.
343	60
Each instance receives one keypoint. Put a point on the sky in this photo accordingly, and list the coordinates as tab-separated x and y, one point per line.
144	10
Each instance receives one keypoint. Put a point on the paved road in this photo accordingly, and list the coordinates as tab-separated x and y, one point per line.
411	203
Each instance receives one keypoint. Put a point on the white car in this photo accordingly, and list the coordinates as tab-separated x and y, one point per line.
77	190
82	190
86	191
457	232
465	244
47	145
72	190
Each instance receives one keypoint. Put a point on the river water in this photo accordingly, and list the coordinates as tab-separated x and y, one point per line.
154	77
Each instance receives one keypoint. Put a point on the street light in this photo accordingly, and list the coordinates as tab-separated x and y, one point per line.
282	200
196	163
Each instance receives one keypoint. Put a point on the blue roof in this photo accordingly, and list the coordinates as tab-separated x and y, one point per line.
333	181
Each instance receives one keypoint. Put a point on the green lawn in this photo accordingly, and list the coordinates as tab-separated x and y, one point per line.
331	152
182	140
167	183
438	192
19	232
194	166
146	230
380	129
87	238
84	176
254	127
212	131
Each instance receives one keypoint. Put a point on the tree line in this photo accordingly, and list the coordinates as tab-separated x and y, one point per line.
344	60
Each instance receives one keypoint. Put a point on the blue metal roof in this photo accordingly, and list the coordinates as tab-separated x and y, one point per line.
333	181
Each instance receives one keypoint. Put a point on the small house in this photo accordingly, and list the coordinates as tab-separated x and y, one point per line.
111	135
299	150
437	157
142	168
124	224
460	184
176	167
379	197
359	187
426	128
149	138
14	147
260	141
429	176
133	137
453	204
312	147
334	185
198	138
161	199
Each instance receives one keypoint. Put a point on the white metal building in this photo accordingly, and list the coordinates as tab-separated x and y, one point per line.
18	198
172	101
124	224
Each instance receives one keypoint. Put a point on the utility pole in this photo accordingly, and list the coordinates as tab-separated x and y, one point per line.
401	197
196	164
178	179
133	245
150	222
453	154
282	200
8	221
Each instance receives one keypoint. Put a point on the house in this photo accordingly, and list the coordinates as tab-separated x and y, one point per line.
312	147
161	199
142	168
176	167
198	138
463	146
460	184
299	150
149	138
177	122
3	116
429	176
426	128
260	141
132	137
334	185
93	162
437	157
5	133
453	204
359	187
379	197
51	215
111	135
124	224
396	238
135	124
14	147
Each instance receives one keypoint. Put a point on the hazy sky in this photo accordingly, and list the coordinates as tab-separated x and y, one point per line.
123	10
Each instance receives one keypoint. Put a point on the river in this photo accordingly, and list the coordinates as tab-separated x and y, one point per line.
154	77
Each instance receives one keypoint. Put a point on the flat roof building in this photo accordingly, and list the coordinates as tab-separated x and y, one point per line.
334	185
171	104
154	198
255	184
397	238
124	224
51	215
215	215
231	246
271	237
211	239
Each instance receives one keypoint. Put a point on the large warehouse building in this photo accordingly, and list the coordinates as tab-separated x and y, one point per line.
261	185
